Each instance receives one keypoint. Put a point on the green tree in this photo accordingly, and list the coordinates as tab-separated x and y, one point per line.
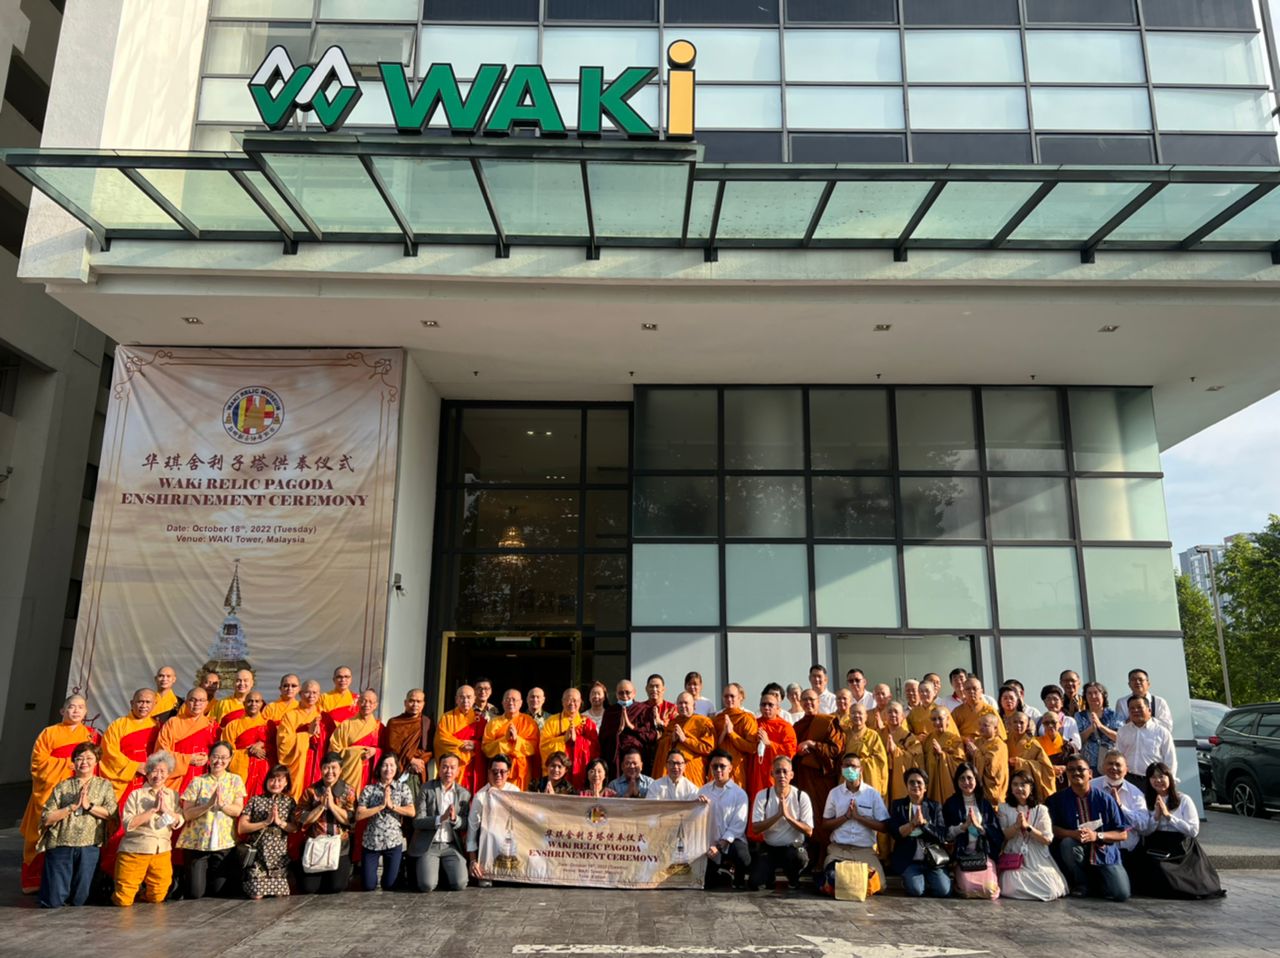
1248	580
1199	641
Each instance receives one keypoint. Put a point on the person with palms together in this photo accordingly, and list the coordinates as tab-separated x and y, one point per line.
384	804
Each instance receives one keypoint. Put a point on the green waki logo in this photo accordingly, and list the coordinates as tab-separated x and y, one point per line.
304	88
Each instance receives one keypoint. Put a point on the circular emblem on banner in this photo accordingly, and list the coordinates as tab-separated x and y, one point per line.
597	815
253	414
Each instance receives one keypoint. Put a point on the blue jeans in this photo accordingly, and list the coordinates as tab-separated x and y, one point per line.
390	859
916	879
68	874
1114	880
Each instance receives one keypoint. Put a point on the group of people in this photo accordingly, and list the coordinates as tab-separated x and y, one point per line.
960	794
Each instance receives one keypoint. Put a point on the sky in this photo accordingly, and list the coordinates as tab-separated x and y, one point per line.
1225	479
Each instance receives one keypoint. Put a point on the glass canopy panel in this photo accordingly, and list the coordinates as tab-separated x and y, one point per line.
437	196
1075	211
211	199
1257	223
863	210
537	197
774	210
271	196
638	199
973	210
335	191
1177	210
109	197
702	208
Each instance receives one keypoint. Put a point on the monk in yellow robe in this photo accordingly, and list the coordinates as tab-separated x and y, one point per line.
574	734
229	709
968	714
50	764
901	748
358	740
943	752
337	705
775	738
166	698
736	731
460	732
990	756
188	736
868	746
1028	755
248	736
298	739
920	718
693	736
290	686
514	735
126	744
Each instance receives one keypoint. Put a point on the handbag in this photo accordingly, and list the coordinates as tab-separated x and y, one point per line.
971	859
1009	862
983	884
935	856
855	881
321	854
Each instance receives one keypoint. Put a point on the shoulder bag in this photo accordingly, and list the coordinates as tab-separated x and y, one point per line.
935	856
321	854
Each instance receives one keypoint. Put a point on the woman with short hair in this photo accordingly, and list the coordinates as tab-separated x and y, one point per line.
211	804
793	711
328	809
266	824
151	814
918	831
384	804
556	781
73	822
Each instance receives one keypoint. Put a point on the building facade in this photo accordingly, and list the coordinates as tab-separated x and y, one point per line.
864	374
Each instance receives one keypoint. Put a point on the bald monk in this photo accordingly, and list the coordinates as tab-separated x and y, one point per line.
126	744
229	709
248	736
775	738
920	718
50	764
574	734
990	756
166	698
818	749
290	686
188	736
866	743
338	704
692	735
901	748
736	731
299	736
461	731
968	714
408	735
514	735
878	718
1026	754
943	753
359	741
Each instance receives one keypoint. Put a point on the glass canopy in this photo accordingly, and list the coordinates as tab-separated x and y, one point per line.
613	193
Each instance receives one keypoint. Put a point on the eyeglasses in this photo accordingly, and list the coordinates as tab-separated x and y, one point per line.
720	765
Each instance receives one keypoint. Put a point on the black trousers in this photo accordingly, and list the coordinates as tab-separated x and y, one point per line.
769	858
326	883
208	873
735	854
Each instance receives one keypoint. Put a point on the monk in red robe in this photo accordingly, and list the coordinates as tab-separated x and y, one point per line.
409	736
125	746
188	736
290	686
693	736
574	734
774	737
359	741
50	764
298	740
167	701
460	732
339	703
655	713
248	736
737	731
513	735
225	711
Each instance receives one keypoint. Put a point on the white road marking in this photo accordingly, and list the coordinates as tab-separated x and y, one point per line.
826	948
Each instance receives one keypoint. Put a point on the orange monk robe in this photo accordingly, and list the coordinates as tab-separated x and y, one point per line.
740	742
519	753
1028	755
409	737
941	769
586	743
905	754
184	737
350	740
298	750
166	701
816	768
992	762
967	718
125	746
273	712
226	711
455	727
242	734
699	742
335	708
869	747
781	741
50	764
920	721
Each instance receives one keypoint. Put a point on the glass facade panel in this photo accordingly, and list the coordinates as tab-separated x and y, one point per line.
368	9
1177	210
1130	588
856	586
209	198
468	47
566	49
541	197
1113	430
870	210
752	210
844	108
853	507
336	191
964	56
973	210
726	54
604	594
1258	223
849	428
947	587
739	107
675	585
605	524
608	435
1242	110
968	108
1029	507
763	429
676	429
754	658
638	199
948	12
437	196
520	445
676	506
518	519
239	48
767	585
1232	14
1081	11
109	197
365	46
1075	211
521	591
225	100
1122	509
1040	660
935	429
941	507
721	11
1091	108
1212	59
1084	56
645	103
1038	588
1163	660
841	11
594	10
843	56
1023	430
764	507
264	9
524	11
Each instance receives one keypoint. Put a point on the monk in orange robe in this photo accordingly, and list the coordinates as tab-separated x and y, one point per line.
188	736
774	738
290	686
126	744
460	732
337	705
167	700
359	741
515	736
970	713
693	736
736	731
50	764
248	737
574	734
901	748
943	753
1026	754
409	736
298	740
990	756
225	711
819	746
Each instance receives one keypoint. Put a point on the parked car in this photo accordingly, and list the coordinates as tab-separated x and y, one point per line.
1246	759
1205	717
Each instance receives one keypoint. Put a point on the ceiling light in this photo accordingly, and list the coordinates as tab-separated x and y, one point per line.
882	327
1108	329
649	327
193	320
529	432
547	433
430	323
1214	389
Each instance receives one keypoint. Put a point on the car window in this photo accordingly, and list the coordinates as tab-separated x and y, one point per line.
1205	718
1240	722
1269	725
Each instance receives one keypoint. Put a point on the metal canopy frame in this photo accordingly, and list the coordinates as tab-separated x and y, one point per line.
367	149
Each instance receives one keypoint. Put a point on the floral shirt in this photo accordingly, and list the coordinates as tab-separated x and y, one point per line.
383	831
214	831
78	830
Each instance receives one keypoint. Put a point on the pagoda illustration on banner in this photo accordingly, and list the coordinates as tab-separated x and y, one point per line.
230	651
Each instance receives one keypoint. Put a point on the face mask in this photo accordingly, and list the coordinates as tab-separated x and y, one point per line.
851	774
1115	781
625	703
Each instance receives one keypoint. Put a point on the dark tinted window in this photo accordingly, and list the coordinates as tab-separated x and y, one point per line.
722	11
970	148
732	147
602	10
519	10
1269	725
1081	11
847	148
842	11
1107	150
13	221
1240	722
1198	13
1219	150
962	12
1205	718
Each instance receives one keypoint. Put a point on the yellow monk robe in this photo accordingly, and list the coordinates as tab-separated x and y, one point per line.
1028	755
455	727
50	764
992	762
335	708
967	718
166	701
242	734
125	746
942	768
225	711
298	750
903	755
920	721
875	762
350	740
586	743
699	742
184	737
497	742
740	742
273	712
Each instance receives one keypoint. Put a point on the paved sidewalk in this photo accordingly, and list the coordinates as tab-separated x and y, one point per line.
1234	842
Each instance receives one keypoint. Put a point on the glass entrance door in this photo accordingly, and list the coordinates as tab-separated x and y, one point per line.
550	661
893	659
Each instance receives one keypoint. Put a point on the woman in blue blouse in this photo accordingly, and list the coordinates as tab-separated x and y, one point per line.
1098	724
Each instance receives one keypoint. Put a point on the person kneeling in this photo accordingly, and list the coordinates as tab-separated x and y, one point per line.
150	815
784	817
728	821
919	840
1089	829
439	827
853	815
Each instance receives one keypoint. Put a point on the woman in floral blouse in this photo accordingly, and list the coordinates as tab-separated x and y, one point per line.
328	808
211	804
384	804
74	819
266	823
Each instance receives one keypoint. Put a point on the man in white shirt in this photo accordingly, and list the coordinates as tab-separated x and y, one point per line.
673	787
1143	740
1130	798
783	815
854	815
693	685
1140	687
727	825
856	681
499	767
818	682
